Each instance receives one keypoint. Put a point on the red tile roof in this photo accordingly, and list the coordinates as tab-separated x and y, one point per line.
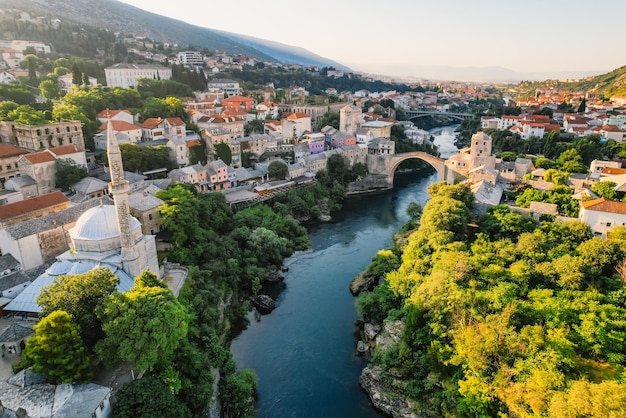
151	123
11	210
119	126
175	121
65	149
237	99
296	115
604	205
192	143
7	150
613	171
108	113
40	157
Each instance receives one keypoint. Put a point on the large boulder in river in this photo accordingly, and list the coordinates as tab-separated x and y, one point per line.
361	347
362	283
264	303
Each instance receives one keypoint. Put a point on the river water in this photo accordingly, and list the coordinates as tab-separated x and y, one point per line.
304	352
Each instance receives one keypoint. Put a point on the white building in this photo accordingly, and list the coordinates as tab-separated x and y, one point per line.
190	58
126	75
601	215
230	87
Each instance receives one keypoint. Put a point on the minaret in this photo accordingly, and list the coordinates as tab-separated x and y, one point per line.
118	187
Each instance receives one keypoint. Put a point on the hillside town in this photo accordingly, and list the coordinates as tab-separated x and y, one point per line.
111	217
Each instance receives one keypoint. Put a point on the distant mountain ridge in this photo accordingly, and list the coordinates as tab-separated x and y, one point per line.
125	18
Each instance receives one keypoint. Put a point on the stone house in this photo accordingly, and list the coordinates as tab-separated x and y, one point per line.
38	137
9	154
238	103
152	129
195	175
35	230
217	173
41	167
381	146
144	206
295	124
132	131
179	150
378	128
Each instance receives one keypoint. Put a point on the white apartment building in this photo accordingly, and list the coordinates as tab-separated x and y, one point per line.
190	58
126	75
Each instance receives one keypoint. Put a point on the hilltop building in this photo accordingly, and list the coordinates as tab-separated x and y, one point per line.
127	75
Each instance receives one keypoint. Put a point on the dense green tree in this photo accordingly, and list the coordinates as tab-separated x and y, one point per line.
254	127
571	162
238	394
605	189
27	115
77	75
277	170
50	89
338	167
57	350
223	152
31	64
68	173
146	398
329	118
80	295
142	159
142	326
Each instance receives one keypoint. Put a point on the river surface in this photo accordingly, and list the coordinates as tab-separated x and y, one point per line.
304	352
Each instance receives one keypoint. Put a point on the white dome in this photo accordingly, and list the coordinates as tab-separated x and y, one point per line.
99	223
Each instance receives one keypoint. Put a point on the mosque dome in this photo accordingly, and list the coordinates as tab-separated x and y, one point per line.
97	229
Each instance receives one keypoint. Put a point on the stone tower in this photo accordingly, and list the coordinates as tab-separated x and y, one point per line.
119	187
350	119
480	145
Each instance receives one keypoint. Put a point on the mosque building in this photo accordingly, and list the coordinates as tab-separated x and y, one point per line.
103	236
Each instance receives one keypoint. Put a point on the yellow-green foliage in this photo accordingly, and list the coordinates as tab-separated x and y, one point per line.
528	323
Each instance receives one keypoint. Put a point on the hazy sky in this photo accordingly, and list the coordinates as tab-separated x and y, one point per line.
394	35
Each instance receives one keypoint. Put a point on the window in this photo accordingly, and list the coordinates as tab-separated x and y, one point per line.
608	224
150	216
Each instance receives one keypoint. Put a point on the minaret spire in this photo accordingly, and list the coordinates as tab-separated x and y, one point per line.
119	187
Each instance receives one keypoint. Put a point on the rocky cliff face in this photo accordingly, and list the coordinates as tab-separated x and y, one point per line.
375	381
383	399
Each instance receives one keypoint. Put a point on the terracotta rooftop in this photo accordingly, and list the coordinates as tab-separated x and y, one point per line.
151	123
120	125
11	210
65	149
39	157
175	121
7	150
108	113
604	205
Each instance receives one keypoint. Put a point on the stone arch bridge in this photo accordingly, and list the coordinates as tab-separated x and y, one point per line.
387	164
